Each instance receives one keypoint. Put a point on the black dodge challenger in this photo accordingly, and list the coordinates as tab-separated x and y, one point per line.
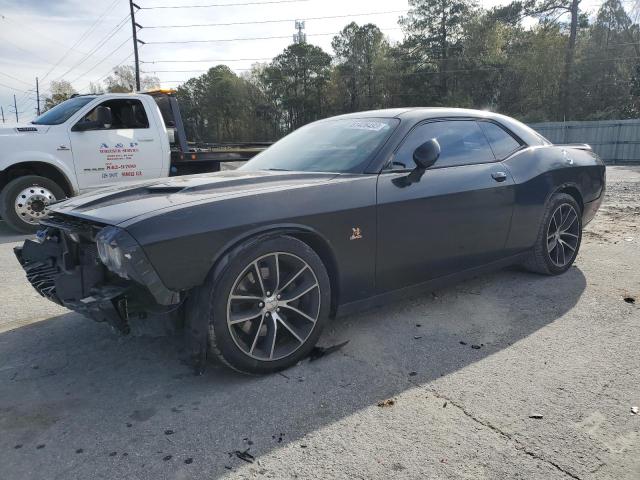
342	214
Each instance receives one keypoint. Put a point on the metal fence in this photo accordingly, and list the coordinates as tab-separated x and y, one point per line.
616	141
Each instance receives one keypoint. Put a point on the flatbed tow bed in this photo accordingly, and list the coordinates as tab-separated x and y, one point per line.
196	157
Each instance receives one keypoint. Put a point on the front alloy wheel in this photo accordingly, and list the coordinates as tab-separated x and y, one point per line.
273	306
267	307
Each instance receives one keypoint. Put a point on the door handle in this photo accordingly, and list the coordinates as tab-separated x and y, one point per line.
499	176
145	139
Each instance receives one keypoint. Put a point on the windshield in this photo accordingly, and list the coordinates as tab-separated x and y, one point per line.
62	112
341	146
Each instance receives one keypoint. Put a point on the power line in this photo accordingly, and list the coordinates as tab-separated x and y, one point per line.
14	78
280	37
380	74
86	34
13	88
6	40
463	58
210	60
595	84
188	71
102	60
212	5
22	26
287	20
108	73
101	43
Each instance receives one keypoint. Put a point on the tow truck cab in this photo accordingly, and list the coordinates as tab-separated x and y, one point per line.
93	141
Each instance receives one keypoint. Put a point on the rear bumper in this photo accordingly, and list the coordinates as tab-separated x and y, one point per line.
591	208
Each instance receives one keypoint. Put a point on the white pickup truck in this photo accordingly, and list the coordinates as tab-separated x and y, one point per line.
93	141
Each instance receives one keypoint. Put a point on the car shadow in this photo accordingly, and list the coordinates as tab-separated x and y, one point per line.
74	386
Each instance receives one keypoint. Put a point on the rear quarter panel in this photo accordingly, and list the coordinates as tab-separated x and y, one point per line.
539	172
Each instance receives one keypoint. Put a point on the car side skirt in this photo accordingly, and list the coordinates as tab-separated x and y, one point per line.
428	286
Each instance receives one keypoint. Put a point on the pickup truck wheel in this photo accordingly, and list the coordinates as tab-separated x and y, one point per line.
267	309
23	201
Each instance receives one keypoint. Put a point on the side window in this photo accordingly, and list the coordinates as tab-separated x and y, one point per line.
501	142
461	142
125	114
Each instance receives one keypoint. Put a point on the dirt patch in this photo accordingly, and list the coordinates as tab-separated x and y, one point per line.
619	217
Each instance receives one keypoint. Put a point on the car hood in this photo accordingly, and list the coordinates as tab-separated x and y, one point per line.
118	204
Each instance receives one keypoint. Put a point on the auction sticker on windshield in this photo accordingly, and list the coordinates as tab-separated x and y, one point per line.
372	126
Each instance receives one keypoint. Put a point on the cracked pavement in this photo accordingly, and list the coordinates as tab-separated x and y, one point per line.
471	370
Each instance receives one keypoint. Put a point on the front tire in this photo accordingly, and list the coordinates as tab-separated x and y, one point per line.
267	309
559	238
24	199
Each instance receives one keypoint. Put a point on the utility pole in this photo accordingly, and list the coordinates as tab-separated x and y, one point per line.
15	106
2	111
134	27
38	96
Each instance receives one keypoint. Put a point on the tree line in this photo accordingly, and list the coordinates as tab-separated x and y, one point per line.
454	53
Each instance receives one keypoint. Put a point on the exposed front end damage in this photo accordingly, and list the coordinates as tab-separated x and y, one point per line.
64	265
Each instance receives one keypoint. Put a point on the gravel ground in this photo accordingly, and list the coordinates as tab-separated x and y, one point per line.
511	375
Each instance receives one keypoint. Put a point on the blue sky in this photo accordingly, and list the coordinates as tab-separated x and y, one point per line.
64	39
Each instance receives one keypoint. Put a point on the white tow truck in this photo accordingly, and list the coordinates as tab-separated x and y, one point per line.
93	141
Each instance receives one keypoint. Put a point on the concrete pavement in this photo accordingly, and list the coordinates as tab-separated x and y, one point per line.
510	375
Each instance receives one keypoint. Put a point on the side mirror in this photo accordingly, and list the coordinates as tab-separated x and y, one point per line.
424	157
427	154
103	120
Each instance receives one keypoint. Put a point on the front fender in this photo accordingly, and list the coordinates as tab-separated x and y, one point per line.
16	158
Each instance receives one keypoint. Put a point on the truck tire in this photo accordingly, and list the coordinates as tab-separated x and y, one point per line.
267	309
23	201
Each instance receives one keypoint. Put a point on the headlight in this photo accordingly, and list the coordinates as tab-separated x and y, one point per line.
111	251
122	255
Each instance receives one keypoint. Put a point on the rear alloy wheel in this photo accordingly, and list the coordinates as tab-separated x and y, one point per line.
559	237
24	201
563	235
266	310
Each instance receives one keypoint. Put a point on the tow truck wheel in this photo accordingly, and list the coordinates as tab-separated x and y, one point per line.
23	201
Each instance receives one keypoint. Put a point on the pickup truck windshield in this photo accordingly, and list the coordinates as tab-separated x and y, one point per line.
341	146
62	112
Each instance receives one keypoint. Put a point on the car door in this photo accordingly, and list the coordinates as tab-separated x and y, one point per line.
456	217
128	149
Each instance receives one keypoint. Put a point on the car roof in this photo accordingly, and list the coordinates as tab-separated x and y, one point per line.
417	114
421	112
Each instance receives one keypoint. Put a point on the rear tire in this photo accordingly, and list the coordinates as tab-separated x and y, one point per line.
559	238
23	200
266	323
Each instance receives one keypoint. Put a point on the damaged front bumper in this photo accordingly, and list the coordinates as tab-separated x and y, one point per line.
64	266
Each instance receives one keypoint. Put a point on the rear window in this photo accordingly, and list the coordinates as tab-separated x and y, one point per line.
502	143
